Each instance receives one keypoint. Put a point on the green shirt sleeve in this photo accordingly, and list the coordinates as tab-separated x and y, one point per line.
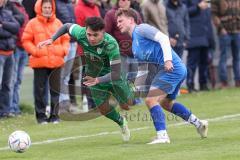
115	63
77	31
113	53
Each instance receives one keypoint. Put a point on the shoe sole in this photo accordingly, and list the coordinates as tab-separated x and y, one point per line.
164	142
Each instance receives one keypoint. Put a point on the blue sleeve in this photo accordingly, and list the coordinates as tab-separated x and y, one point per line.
147	31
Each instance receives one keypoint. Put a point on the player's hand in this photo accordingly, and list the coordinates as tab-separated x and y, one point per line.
223	31
203	5
90	81
168	66
44	43
185	44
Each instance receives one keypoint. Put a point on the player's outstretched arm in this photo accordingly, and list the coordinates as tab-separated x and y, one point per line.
61	31
115	73
112	76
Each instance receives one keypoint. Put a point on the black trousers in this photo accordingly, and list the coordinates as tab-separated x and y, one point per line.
197	57
41	77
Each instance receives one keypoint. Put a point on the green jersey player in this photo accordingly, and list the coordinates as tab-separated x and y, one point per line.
102	68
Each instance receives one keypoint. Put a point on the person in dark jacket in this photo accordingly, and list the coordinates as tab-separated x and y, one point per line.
9	28
136	4
178	25
15	11
65	11
20	57
104	6
201	40
29	7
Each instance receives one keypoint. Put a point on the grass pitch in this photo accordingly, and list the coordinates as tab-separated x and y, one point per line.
100	138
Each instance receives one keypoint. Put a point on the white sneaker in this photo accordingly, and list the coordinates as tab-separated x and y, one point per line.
43	123
203	128
56	122
125	131
161	138
75	110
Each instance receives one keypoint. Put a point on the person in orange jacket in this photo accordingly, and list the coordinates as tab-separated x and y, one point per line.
45	61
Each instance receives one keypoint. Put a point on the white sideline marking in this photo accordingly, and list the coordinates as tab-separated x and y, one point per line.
117	132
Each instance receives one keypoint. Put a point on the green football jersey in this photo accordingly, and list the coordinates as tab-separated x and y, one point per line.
99	57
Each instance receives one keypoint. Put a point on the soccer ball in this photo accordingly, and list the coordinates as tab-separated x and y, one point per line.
19	141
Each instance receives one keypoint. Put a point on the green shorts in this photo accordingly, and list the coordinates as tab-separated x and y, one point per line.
120	89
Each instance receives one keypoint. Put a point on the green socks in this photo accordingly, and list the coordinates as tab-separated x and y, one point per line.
115	116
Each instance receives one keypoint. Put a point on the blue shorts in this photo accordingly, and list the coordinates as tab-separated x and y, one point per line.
170	82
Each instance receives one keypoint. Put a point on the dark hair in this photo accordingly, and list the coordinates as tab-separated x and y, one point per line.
95	23
117	3
127	12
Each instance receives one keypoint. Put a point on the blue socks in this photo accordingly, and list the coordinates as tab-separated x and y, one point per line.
158	117
181	111
178	109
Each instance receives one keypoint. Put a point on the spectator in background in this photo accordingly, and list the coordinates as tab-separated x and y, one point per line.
154	13
74	2
136	4
178	25
201	40
14	110
85	9
104	6
65	13
20	59
15	11
29	7
226	15
9	28
129	65
46	60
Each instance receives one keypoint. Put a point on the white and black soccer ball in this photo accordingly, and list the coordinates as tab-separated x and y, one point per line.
19	141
